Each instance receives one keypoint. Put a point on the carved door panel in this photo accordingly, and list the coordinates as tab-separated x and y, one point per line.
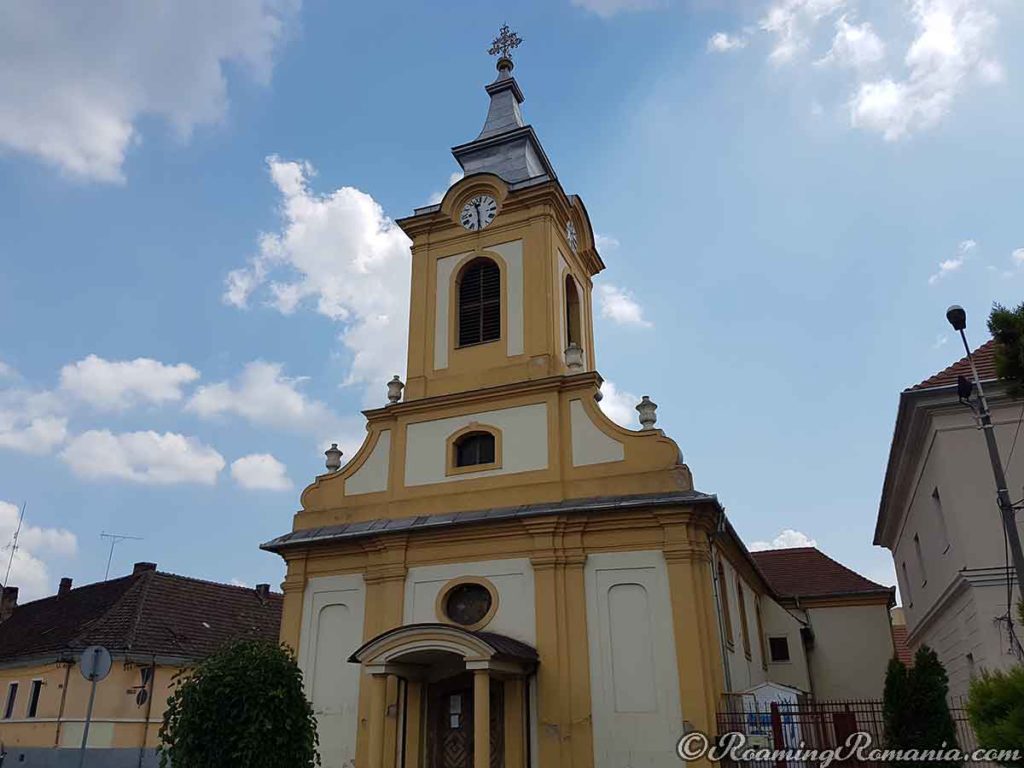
450	724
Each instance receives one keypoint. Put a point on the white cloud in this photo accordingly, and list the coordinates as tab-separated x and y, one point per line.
454	177
608	8
854	45
263	395
722	42
791	23
785	540
31	422
605	242
940	341
120	384
950	49
29	572
7	371
951	265
1018	256
260	471
77	78
340	252
619	406
142	457
618	305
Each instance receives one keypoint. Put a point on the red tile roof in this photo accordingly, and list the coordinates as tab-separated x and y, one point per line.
809	572
147	613
984	359
899	642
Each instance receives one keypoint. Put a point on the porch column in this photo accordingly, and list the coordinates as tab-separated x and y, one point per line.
378	705
481	718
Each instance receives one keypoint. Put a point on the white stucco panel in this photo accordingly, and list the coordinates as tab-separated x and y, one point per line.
332	629
445	267
373	475
589	444
512	253
524	439
513	580
633	680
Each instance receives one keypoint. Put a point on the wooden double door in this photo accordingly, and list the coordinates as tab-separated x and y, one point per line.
450	723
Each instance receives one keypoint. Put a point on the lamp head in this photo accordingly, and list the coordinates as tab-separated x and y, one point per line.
957	317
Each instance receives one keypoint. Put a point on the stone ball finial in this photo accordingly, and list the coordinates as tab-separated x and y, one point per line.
574	357
647	409
395	387
333	455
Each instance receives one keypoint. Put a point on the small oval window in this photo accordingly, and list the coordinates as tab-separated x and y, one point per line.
468	604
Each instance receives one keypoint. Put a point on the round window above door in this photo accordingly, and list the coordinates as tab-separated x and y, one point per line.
468	602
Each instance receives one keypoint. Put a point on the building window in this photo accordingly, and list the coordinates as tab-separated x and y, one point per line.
33	698
920	560
760	633
741	606
470	602
474	448
572	313
12	696
908	595
723	597
940	518
479	303
779	648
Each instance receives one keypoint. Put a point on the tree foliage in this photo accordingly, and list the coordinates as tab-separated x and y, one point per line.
914	709
242	706
1007	328
995	706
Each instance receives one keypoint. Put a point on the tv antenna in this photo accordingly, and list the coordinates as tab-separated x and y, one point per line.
115	539
14	543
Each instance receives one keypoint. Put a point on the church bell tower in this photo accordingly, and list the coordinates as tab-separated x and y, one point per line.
503	265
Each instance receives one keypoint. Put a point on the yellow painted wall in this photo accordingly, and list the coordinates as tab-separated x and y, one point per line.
117	720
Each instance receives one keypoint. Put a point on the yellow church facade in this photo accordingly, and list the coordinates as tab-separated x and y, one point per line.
501	576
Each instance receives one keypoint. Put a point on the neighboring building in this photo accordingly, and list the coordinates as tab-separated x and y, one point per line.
154	624
844	624
939	517
499	558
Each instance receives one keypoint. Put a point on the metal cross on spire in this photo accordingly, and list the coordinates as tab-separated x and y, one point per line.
504	43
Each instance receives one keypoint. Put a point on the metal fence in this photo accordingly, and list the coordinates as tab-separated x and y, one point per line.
818	725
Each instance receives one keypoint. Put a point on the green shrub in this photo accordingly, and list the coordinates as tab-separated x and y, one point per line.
242	706
915	712
995	707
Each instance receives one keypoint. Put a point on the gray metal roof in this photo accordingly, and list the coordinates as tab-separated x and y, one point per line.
506	146
349	531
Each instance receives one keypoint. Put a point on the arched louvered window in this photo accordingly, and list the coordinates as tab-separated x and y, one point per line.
474	448
572	313
479	303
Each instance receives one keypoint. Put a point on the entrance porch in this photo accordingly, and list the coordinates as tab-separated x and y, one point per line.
453	685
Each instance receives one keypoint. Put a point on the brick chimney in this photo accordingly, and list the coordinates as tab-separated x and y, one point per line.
65	586
142	568
8	602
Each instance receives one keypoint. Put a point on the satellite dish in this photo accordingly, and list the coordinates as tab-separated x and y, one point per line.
95	663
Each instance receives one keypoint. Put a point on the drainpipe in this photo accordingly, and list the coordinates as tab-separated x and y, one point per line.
60	711
149	711
718	602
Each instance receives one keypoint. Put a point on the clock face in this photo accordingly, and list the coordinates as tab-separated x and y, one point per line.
570	233
478	212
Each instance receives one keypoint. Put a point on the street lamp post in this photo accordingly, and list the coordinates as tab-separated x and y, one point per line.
958	319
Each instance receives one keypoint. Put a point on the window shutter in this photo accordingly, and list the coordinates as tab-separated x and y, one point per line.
480	303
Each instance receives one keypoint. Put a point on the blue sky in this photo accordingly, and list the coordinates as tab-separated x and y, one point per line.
201	283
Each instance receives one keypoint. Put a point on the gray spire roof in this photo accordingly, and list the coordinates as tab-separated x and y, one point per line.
506	146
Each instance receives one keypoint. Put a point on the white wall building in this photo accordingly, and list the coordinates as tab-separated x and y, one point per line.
939	517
